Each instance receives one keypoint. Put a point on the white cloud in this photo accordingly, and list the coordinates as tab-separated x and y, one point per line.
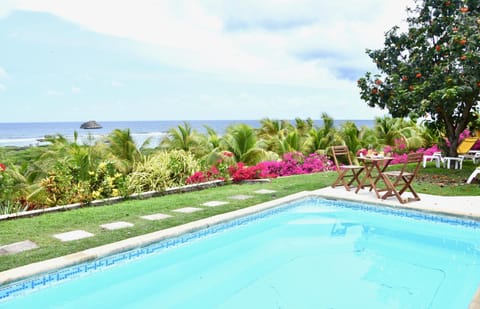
75	89
2	87
308	43
196	36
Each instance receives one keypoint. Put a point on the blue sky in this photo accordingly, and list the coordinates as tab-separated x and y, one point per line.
186	60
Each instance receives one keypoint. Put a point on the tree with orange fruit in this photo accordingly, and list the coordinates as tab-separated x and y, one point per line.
431	69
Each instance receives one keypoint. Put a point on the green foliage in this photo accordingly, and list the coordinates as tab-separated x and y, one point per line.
12	190
272	131
242	141
323	137
432	69
64	186
349	133
182	138
162	170
124	150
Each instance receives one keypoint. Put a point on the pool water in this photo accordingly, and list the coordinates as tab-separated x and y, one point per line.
312	253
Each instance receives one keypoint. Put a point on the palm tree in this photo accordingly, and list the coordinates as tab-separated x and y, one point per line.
390	130
212	139
182	138
271	131
349	133
124	150
323	137
241	140
293	142
304	126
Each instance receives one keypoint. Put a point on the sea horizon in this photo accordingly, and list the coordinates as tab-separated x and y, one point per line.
21	134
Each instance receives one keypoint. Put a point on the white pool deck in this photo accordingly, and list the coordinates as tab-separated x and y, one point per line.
463	206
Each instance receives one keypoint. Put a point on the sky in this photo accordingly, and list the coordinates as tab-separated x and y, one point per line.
113	60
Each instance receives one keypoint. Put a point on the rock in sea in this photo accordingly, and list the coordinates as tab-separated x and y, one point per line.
92	124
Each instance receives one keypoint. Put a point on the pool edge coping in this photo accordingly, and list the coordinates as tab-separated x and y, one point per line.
30	270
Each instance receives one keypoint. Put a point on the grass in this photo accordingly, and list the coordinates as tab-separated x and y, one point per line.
40	229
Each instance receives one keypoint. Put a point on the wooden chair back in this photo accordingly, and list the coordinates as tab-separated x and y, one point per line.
341	154
403	178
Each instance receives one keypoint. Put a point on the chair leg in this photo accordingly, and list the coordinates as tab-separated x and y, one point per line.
408	185
341	178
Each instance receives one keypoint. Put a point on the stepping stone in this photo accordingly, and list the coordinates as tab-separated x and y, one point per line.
73	235
240	197
187	209
214	203
155	217
116	225
265	191
18	247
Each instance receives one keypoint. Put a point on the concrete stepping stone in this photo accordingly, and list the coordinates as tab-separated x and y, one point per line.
155	217
214	203
240	197
116	225
187	209
17	247
73	235
265	191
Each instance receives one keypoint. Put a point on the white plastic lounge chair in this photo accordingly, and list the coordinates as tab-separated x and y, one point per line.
473	175
436	156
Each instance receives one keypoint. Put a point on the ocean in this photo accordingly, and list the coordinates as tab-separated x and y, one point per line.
23	134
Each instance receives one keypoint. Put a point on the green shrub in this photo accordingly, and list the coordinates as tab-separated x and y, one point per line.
162	170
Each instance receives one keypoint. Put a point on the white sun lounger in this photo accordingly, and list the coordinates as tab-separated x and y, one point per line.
473	175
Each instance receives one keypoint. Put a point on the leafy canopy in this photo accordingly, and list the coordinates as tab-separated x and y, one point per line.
432	69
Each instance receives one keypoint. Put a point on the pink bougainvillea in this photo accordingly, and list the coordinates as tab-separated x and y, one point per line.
293	163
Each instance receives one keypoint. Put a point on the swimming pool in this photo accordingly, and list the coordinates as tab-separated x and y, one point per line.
309	253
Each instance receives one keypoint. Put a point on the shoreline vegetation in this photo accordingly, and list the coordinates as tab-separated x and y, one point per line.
67	172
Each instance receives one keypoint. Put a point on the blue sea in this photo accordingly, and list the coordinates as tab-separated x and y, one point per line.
31	133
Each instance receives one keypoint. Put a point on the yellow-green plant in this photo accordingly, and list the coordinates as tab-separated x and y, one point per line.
162	170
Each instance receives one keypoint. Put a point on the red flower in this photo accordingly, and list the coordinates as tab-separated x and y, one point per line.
2	167
378	82
464	9
374	91
418	75
227	154
437	48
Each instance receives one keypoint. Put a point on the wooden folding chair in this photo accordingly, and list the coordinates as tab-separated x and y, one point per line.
398	182
345	167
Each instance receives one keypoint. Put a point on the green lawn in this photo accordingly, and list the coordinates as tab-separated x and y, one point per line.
41	228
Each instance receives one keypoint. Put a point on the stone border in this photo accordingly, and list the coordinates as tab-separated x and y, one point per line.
115	200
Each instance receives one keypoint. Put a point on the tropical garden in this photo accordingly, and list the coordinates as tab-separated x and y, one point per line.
72	171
